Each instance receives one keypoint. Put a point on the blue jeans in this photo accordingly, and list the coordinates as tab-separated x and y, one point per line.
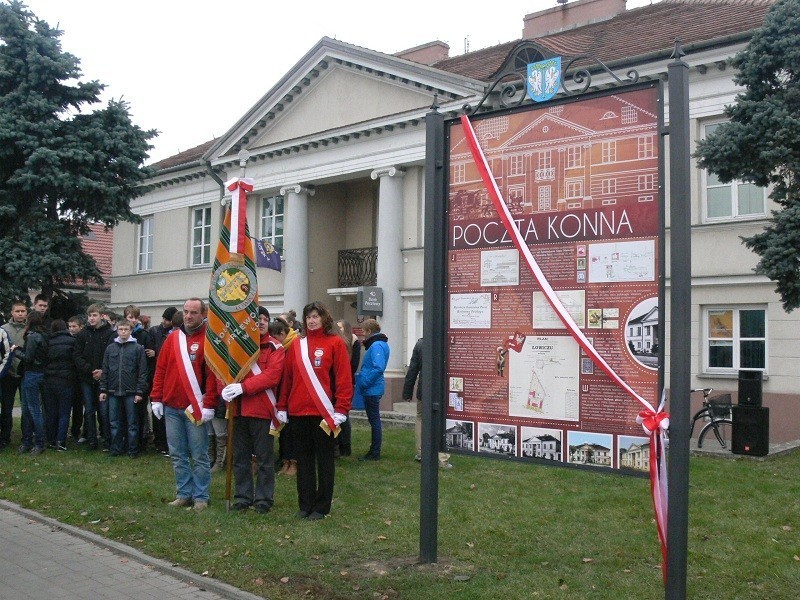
120	410
372	404
57	407
188	441
32	417
92	410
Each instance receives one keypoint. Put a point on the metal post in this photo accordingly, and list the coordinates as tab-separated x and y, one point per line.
433	346
680	325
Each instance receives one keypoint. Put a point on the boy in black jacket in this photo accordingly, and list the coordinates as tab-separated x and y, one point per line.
123	384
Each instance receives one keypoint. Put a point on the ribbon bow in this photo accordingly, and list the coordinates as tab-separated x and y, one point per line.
239	189
652	421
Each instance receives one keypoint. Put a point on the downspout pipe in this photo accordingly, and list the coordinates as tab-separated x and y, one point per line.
216	178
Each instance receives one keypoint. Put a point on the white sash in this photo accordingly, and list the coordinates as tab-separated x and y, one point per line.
317	391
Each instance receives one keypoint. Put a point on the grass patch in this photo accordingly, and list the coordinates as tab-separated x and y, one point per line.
506	529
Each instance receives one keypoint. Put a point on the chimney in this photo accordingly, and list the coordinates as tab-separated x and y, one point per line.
427	54
568	15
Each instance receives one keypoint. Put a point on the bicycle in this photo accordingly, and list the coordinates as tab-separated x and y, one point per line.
717	413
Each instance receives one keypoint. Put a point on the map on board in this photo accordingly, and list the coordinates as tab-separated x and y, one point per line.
543	379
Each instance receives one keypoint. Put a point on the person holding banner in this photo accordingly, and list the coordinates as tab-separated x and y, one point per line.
316	391
181	377
256	423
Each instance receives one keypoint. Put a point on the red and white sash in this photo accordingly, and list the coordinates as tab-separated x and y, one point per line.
189	380
313	385
274	425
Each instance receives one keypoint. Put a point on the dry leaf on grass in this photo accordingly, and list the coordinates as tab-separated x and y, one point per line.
284	580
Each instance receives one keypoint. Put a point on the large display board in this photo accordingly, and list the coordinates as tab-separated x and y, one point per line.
581	180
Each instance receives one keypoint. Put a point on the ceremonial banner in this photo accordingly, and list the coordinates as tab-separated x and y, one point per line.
232	336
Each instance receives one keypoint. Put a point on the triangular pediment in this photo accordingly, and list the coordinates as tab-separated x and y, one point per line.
339	98
337	86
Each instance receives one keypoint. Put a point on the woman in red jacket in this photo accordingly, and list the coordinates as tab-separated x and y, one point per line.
316	390
255	415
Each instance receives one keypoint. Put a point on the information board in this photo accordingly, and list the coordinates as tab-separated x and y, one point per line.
581	180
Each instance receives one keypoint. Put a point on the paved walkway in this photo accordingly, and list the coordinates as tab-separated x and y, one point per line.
43	559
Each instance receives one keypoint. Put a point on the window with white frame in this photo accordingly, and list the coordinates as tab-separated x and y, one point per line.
608	151
735	338
645	146
734	199
608	186
574	157
646	182
272	221
516	164
201	236
629	115
459	173
574	188
145	243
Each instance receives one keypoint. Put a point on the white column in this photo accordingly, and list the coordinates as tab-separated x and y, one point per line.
295	245
390	259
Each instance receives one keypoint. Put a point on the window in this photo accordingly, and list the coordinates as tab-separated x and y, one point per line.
629	115
645	144
646	182
459	173
735	339
201	236
574	188
574	157
609	151
733	199
608	186
145	250
272	221
516	166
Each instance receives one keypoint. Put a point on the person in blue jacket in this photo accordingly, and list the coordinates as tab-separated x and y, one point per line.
370	382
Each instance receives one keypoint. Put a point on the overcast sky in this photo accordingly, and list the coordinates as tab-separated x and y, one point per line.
192	68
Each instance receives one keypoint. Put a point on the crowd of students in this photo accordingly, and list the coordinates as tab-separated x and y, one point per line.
112	383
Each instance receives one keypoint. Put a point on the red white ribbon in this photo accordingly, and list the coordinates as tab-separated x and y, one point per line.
239	189
658	473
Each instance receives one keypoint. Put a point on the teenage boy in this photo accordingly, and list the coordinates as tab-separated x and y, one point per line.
122	385
90	348
75	325
10	383
132	315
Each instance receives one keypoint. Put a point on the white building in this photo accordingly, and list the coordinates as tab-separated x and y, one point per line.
337	152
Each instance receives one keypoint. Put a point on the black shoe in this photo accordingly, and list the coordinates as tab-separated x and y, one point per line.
302	514
315	516
61	447
262	509
239	506
37	450
24	449
369	456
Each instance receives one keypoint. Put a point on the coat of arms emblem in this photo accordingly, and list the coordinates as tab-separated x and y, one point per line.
544	79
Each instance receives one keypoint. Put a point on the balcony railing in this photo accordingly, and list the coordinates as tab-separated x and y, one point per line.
358	266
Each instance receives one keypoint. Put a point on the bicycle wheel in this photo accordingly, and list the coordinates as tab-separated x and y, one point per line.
720	441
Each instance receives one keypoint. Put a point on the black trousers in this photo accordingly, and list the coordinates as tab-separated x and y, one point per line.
8	390
251	438
315	465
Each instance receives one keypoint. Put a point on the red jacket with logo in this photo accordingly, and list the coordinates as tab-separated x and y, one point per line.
328	356
254	401
168	386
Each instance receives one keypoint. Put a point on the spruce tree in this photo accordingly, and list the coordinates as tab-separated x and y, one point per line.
64	160
761	142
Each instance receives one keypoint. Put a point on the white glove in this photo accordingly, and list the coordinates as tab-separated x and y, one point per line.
339	418
158	409
229	392
208	414
282	416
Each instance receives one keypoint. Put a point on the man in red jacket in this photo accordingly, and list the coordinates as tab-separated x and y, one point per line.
255	418
182	377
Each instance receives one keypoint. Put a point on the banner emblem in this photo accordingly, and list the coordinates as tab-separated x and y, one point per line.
234	287
544	79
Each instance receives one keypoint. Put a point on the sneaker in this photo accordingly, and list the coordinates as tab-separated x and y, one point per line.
23	449
61	447
369	456
82	440
240	506
37	450
315	516
181	502
200	505
52	445
262	509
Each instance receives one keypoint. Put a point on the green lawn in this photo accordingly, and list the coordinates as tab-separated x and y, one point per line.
506	530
